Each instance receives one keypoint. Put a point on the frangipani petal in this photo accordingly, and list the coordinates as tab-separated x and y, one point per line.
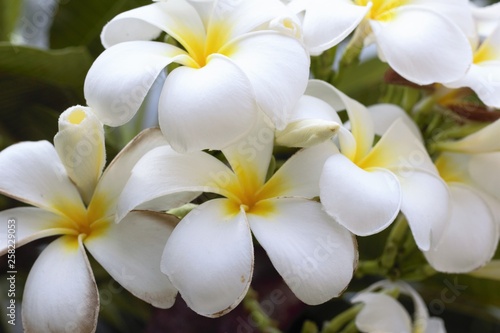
130	252
400	151
299	176
315	256
118	172
278	71
381	313
163	172
30	223
483	169
484	80
176	17
80	146
425	205
471	237
33	173
210	107
344	188
250	156
209	258
437	51
326	23
384	115
486	18
483	141
115	94
60	294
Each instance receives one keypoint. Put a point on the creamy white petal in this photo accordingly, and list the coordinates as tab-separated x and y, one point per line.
483	169
486	18
425	205
131	250
277	67
365	202
25	224
471	236
484	79
327	23
115	94
437	51
483	141
381	313
325	92
33	173
118	171
250	156
312	107
60	294
210	107
299	176
209	258
384	115
400	151
165	173
80	146
315	255
435	325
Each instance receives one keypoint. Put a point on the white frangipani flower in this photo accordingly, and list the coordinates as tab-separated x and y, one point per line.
470	168
209	256
383	313
235	57
364	186
75	199
425	41
484	74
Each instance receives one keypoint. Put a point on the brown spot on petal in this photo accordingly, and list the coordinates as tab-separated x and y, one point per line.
392	77
475	112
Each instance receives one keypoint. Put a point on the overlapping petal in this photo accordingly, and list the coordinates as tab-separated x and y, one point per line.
33	173
175	17
130	251
437	51
216	100
60	294
30	224
483	141
425	204
483	169
300	175
315	256
365	202
326	23
115	94
209	258
278	71
384	115
465	246
116	175
165	173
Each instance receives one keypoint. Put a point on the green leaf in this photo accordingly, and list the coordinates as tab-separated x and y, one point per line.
9	13
36	86
80	22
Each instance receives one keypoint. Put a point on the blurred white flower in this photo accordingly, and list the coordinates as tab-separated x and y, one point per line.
382	313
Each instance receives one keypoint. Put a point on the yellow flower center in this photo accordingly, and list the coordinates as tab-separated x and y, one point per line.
485	53
81	221
382	10
246	191
201	47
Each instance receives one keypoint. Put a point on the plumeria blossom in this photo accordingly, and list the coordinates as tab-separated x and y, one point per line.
209	256
383	313
235	57
470	168
484	74
73	198
486	18
419	39
364	186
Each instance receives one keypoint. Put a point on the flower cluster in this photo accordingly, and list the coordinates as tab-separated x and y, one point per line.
243	79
